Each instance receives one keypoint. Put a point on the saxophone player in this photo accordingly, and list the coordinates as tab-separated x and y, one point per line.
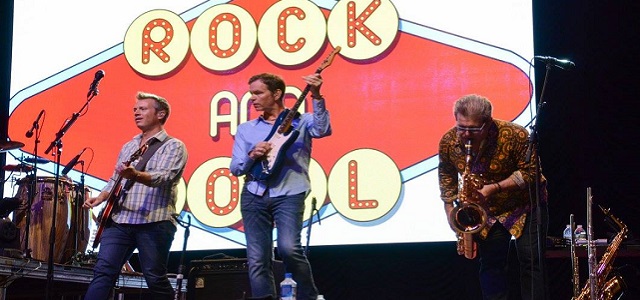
499	151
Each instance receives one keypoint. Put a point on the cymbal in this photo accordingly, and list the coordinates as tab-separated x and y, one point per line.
10	145
32	160
18	168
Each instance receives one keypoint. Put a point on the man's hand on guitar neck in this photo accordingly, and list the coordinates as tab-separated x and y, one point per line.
261	149
131	173
315	82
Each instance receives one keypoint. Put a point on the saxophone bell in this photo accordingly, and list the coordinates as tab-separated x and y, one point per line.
613	288
468	218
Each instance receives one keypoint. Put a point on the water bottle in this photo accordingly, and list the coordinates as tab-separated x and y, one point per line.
566	235
288	288
581	234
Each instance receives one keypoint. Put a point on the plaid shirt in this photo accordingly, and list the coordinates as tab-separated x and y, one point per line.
156	202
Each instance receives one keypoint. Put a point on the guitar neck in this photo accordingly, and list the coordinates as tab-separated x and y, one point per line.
117	186
286	122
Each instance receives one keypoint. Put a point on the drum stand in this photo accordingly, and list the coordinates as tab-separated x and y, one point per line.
77	218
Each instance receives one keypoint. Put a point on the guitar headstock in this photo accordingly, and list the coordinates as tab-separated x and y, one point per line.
327	61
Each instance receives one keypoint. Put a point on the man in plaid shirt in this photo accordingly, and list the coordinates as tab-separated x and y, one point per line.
142	217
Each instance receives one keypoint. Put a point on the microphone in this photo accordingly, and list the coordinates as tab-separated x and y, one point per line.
72	162
564	64
35	125
93	88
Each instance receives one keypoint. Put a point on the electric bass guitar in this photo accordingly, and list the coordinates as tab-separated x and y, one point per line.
283	135
114	195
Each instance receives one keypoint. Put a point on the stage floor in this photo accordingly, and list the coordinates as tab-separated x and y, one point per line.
27	279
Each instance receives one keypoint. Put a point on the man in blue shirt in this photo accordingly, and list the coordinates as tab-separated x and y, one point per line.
143	218
279	198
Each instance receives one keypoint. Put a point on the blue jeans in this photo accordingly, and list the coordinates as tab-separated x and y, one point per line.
118	241
259	214
494	258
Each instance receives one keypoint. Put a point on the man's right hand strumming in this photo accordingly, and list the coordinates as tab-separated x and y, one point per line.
261	149
95	201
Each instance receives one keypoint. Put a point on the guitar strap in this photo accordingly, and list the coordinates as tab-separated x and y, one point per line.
154	145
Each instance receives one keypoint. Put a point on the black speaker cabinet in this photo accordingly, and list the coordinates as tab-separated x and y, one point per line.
225	279
9	235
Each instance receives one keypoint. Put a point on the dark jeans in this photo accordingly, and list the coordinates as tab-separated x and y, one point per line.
259	215
118	241
494	258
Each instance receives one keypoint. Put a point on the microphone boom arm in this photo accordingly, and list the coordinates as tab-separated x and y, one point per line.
74	117
63	130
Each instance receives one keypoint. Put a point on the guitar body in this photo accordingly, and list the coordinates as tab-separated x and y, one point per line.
104	216
280	142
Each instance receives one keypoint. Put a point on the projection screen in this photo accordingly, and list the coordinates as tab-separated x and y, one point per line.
389	91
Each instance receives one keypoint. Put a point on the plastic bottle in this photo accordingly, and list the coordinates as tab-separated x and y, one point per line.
288	288
581	234
320	297
566	235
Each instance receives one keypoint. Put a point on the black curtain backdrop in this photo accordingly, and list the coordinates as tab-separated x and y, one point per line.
588	137
587	129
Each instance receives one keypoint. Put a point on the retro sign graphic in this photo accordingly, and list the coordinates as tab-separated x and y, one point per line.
389	91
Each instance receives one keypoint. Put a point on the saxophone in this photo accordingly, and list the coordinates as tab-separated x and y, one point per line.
607	288
467	217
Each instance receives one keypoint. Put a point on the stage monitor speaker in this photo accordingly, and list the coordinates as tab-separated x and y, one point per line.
9	234
223	279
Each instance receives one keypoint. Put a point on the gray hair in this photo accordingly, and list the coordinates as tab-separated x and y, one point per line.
473	106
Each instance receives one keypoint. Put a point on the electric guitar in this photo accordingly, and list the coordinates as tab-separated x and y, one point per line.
283	135
114	195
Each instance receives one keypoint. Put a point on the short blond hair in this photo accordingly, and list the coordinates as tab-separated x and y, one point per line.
161	104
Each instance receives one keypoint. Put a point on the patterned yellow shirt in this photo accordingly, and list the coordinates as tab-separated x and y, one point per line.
501	155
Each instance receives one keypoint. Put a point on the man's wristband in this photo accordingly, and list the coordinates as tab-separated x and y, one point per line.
499	187
317	97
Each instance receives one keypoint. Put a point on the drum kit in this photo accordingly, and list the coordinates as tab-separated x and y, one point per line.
33	210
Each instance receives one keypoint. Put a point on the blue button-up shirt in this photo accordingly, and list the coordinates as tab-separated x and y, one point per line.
293	178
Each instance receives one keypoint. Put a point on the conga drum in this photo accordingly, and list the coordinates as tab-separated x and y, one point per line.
79	232
42	212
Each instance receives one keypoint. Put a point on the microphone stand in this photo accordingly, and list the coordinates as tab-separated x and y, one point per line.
57	143
52	232
31	189
313	210
181	267
532	155
591	250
